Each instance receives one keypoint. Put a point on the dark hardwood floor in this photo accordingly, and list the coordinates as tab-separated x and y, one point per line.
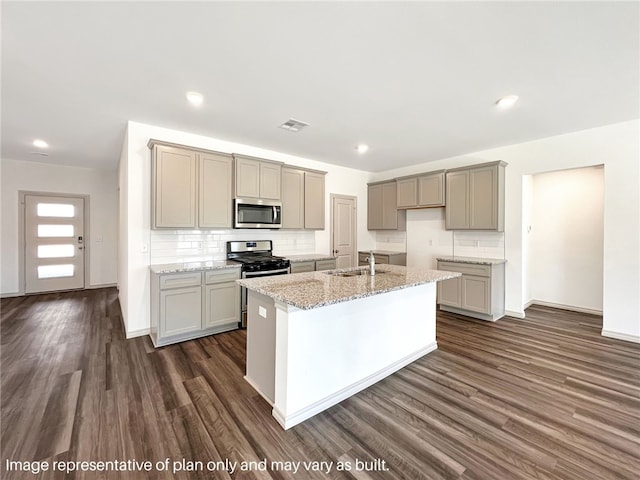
542	398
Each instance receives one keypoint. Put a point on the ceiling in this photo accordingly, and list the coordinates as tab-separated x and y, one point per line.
416	81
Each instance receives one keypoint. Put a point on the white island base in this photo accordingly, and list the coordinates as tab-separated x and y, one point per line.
305	361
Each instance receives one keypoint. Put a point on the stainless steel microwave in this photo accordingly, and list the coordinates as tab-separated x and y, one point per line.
257	213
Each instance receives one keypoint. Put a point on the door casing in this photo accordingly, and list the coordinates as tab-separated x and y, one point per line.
354	225
21	236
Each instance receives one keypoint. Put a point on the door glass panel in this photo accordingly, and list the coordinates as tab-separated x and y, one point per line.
55	210
55	271
55	251
55	230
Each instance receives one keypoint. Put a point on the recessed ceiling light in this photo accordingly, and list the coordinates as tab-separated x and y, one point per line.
293	125
507	102
362	148
40	144
195	98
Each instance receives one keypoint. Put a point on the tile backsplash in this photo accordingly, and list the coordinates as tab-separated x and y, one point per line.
478	244
392	241
177	246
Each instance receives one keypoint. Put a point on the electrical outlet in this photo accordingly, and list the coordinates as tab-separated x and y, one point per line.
145	248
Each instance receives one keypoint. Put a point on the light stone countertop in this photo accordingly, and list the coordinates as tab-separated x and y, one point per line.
193	266
309	257
383	252
319	289
476	260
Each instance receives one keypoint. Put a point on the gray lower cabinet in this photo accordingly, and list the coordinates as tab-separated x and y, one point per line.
189	305
329	264
180	311
383	258
478	293
303	267
221	299
313	265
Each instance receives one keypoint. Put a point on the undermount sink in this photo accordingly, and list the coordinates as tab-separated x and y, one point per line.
352	273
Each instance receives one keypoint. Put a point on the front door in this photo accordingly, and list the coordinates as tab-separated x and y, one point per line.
54	243
343	230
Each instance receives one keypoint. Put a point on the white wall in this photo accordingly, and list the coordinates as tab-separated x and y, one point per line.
100	185
527	219
135	192
123	230
566	238
615	146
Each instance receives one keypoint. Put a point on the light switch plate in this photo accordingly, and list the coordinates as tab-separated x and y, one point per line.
262	312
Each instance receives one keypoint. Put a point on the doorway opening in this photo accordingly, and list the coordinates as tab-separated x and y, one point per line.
54	243
563	239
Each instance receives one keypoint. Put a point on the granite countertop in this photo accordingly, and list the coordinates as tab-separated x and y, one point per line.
383	252
309	257
318	289
192	266
476	260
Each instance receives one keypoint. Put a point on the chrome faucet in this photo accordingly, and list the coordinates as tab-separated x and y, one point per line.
372	263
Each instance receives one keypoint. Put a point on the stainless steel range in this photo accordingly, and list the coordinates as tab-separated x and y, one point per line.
257	260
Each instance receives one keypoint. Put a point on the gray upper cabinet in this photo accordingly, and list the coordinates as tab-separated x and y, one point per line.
247	174
314	200
214	199
302	198
457	211
475	197
382	210
407	192
190	188
421	191
431	190
270	180
257	178
292	198
174	187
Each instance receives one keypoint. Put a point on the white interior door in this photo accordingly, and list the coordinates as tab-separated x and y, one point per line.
343	230
54	243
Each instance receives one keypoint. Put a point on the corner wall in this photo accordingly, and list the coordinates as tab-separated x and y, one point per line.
99	185
135	193
617	147
566	239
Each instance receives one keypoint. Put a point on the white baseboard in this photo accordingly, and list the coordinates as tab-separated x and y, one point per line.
90	287
513	313
137	333
257	389
101	285
11	295
288	421
571	308
621	336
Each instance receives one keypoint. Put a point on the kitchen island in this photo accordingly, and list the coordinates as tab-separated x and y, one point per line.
314	339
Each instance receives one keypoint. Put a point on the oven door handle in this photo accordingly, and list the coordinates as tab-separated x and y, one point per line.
264	273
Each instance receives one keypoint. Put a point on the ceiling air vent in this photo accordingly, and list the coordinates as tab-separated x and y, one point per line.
293	125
